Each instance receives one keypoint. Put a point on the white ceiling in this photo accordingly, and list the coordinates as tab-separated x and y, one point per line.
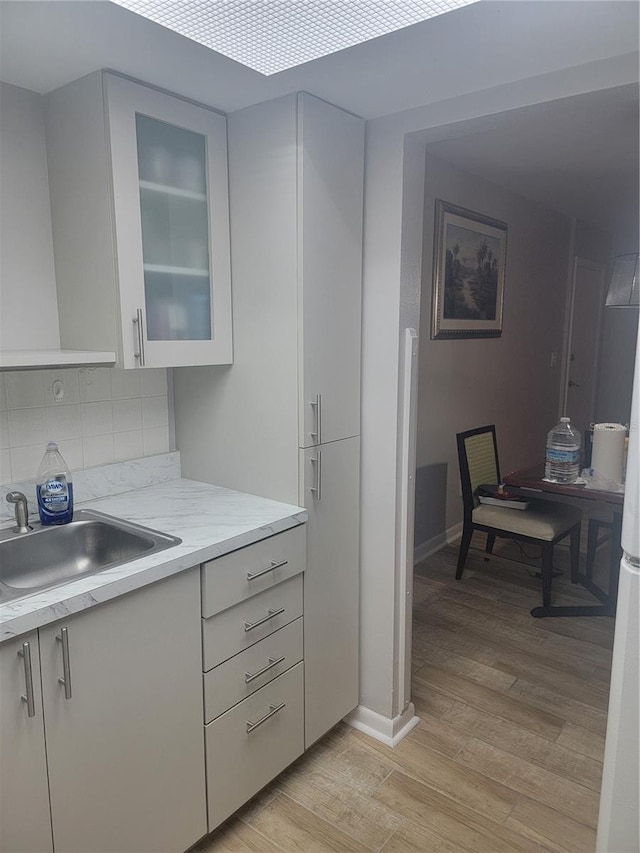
575	157
279	34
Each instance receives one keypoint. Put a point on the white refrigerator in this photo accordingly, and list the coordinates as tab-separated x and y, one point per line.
619	820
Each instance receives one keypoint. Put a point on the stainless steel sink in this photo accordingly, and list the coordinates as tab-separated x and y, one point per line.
91	543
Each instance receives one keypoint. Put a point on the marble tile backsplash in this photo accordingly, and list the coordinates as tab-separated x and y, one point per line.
97	415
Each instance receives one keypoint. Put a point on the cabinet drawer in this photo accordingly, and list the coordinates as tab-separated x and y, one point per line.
237	678
228	580
241	762
228	633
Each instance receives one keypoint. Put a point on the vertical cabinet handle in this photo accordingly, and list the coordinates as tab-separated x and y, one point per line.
25	654
317	489
63	638
317	405
138	322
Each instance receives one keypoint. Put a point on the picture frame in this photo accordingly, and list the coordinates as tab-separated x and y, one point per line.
469	259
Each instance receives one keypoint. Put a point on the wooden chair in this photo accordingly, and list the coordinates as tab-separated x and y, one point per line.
543	523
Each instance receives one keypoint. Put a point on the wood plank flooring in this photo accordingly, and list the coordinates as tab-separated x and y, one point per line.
507	756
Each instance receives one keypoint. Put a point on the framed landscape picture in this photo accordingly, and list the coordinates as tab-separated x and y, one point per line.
469	254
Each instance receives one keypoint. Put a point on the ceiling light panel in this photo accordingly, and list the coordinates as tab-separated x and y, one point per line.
272	35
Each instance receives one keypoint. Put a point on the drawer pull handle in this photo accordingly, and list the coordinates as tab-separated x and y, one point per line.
275	564
249	626
25	654
251	676
273	709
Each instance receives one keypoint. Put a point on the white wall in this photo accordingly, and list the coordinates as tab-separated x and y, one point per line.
507	381
106	415
28	307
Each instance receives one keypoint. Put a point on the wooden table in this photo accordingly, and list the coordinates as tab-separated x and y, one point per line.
529	482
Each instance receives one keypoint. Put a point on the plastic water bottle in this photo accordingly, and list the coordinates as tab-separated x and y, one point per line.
563	453
54	488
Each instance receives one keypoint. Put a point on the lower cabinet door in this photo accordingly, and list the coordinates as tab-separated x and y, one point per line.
124	729
252	742
330	475
25	819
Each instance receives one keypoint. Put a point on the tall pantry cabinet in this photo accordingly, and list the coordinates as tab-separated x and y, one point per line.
284	421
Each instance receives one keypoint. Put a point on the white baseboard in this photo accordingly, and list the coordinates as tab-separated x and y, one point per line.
436	543
389	731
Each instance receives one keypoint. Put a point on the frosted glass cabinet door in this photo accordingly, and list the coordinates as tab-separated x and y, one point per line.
169	170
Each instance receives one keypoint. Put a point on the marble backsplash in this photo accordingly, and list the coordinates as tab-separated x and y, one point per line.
104	480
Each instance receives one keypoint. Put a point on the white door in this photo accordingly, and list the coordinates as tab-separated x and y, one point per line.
25	820
584	340
330	492
171	214
124	734
330	192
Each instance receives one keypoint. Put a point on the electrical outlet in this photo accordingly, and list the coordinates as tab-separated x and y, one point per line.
553	359
57	389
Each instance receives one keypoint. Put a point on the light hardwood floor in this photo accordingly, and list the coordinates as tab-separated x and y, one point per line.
507	756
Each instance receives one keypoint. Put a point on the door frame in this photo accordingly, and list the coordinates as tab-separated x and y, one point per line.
566	353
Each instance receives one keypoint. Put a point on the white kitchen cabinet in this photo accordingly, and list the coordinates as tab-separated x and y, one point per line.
331	485
330	179
126	764
232	681
296	196
228	633
25	820
252	742
252	637
139	199
241	574
122	708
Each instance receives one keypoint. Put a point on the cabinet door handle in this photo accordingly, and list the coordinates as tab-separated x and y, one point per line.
251	676
138	322
275	564
25	654
273	709
317	405
63	638
249	626
317	489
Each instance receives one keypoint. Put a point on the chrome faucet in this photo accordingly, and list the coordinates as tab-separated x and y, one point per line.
22	512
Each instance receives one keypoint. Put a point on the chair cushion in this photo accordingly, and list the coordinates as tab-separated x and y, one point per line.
541	520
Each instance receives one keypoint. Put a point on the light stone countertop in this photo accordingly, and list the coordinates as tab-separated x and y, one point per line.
210	520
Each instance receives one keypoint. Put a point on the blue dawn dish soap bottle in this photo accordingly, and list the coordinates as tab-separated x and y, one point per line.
54	488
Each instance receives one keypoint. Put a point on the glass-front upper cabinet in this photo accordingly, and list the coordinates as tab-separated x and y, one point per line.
170	203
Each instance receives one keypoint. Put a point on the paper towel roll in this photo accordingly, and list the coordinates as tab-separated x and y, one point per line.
608	451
